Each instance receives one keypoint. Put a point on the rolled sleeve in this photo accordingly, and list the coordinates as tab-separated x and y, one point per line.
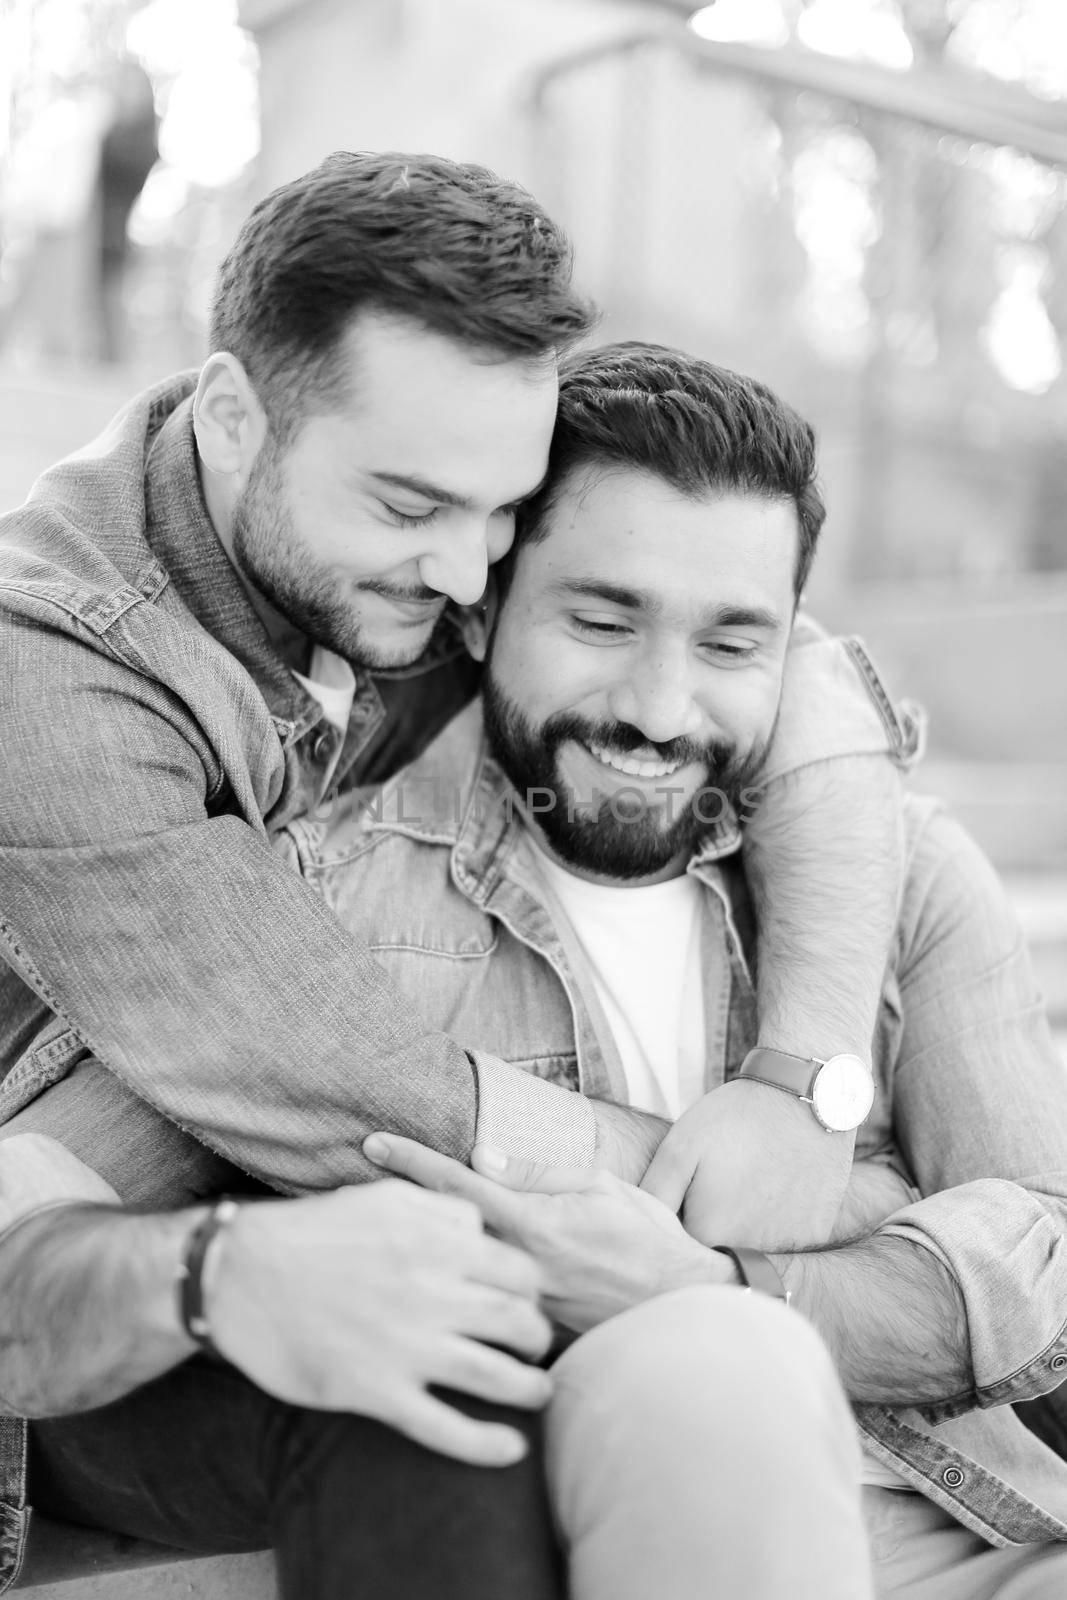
1006	1250
530	1119
834	703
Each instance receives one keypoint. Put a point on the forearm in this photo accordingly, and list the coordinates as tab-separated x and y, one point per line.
88	1306
823	855
893	1317
279	1076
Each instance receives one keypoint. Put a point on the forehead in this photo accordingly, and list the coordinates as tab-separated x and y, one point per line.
420	404
627	529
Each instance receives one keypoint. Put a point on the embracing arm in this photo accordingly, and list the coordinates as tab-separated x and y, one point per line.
186	956
824	849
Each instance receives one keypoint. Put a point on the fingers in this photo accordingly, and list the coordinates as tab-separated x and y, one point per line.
500	1318
440	1427
487	1374
435	1171
536	1177
501	1266
667	1178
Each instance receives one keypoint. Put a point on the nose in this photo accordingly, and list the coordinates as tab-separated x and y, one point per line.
458	563
657	697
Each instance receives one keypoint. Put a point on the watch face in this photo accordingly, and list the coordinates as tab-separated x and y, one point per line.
843	1093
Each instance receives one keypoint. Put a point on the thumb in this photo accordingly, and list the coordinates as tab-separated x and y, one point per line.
537	1177
668	1177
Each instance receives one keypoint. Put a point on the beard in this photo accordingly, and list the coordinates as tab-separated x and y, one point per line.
310	595
622	833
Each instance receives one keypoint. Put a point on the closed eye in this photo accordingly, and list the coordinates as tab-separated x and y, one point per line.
600	630
407	519
729	650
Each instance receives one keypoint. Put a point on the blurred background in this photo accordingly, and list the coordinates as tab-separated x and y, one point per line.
862	201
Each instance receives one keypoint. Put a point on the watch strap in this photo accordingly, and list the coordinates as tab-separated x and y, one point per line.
795	1074
756	1270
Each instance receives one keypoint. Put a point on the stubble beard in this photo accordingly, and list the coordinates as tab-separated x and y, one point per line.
268	551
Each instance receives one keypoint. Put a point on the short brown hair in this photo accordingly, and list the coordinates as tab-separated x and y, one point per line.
450	245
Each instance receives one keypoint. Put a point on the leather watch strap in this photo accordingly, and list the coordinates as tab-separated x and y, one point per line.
757	1271
795	1074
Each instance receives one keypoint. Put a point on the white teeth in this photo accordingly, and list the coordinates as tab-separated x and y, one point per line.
631	766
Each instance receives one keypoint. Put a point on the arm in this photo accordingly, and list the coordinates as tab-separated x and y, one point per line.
824	849
113	864
823	857
354	1301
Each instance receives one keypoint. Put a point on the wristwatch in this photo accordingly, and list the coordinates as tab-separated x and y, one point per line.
840	1090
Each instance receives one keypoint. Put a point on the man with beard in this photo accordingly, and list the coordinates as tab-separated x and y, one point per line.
558	878
217	620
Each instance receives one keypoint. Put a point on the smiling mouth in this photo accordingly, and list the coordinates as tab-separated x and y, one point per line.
415	606
632	766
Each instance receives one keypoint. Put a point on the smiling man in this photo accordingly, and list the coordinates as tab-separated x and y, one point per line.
588	703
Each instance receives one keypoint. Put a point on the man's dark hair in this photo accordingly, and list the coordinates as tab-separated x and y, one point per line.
698	427
461	251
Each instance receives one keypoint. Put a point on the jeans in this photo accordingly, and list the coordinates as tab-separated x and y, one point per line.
203	1460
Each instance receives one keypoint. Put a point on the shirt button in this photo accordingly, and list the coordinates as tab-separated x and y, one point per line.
361	711
1058	1363
952	1477
320	748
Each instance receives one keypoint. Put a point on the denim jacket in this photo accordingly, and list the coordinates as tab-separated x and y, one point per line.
435	874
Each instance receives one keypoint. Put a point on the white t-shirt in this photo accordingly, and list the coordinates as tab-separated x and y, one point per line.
643	947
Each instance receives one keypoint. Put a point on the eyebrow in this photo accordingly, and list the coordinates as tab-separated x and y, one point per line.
420	486
725	616
433	491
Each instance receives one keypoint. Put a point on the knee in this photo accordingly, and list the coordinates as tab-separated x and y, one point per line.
702	1354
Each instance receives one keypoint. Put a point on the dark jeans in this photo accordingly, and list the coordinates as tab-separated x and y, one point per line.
204	1460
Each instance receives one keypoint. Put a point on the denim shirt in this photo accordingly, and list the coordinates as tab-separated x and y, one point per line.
435	874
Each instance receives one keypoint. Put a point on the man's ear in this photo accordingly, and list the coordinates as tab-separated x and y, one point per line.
476	622
229	422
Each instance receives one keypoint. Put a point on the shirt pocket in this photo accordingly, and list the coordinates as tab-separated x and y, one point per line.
52	1055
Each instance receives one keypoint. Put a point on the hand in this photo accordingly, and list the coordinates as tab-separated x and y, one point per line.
360	1299
602	1245
749	1165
